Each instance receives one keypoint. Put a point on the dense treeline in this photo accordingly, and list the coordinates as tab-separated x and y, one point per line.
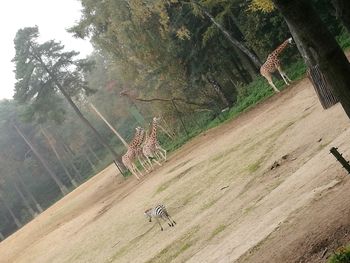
183	60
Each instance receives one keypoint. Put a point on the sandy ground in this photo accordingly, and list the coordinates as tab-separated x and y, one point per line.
230	206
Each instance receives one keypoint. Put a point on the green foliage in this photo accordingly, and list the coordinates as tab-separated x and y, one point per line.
344	39
40	69
342	255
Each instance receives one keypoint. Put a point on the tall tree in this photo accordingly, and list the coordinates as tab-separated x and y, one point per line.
42	70
307	26
9	209
60	185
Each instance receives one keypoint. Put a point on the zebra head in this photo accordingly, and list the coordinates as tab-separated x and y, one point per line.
148	214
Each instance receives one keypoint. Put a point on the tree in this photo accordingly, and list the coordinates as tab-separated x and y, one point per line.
60	185
342	12
307	26
42	70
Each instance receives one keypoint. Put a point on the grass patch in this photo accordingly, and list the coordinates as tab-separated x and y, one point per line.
342	255
179	166
188	198
217	230
254	166
168	183
176	248
209	204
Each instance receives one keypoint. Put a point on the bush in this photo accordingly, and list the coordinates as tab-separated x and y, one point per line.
342	255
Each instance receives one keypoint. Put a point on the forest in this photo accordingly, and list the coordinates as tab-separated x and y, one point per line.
195	64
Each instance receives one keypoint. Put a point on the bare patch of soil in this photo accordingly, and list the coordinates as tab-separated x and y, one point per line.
260	188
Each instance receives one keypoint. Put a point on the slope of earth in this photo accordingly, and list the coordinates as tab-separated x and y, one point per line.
261	187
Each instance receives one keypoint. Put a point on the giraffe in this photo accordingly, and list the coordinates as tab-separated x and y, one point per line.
146	164
152	147
272	64
129	157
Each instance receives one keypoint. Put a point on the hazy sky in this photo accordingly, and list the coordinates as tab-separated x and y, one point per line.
51	16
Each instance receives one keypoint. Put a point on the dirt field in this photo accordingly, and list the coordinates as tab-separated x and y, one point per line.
230	206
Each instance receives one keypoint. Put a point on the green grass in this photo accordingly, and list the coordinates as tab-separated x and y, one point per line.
342	255
254	166
176	248
170	182
217	230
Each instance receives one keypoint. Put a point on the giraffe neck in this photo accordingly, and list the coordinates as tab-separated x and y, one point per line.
154	131
280	48
135	140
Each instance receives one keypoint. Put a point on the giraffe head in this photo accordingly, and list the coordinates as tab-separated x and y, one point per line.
290	40
156	119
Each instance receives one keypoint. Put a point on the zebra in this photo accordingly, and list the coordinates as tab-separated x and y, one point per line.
159	212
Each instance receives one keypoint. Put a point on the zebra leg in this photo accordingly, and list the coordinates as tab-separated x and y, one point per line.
161	228
170	218
165	218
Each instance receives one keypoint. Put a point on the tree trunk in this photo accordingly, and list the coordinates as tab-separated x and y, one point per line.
109	125
60	185
218	89
116	156
90	162
322	88
93	153
342	12
15	219
69	156
234	41
313	33
25	201
179	116
38	206
52	146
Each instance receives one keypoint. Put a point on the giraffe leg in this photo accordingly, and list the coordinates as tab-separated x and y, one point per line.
164	152
132	170
283	75
269	80
136	169
143	164
149	162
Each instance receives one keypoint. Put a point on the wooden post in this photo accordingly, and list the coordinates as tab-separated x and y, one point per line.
322	89
340	158
109	125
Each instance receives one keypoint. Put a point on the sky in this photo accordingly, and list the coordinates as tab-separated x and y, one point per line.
52	17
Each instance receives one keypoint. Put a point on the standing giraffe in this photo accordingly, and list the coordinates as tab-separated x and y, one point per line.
145	163
272	64
152	147
129	157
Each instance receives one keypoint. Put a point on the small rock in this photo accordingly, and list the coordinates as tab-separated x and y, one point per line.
319	140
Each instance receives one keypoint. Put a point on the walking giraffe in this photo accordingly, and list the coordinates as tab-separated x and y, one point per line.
152	147
129	157
272	64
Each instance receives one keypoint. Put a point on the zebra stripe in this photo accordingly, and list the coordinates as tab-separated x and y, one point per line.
160	212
